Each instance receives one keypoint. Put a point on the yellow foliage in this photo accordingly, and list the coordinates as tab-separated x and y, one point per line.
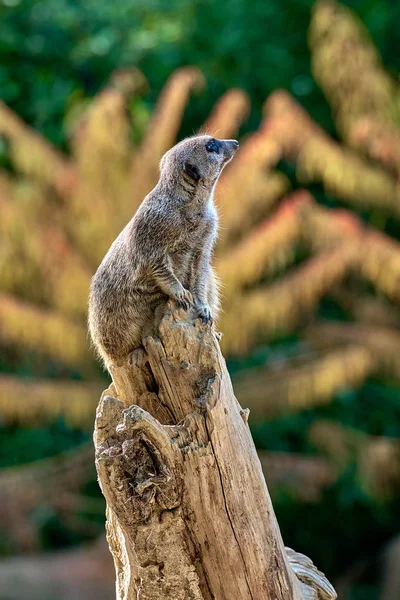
102	149
292	387
377	458
364	97
246	210
347	65
24	401
58	216
228	114
280	307
248	188
268	246
32	155
30	327
347	176
382	342
320	159
37	259
378	256
103	161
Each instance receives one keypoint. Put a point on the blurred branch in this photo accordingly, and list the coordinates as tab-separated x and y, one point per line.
378	254
269	246
41	477
377	458
45	331
37	260
304	477
228	114
53	482
248	189
32	155
280	307
364	97
319	158
382	342
268	392
366	308
378	141
27	402
249	204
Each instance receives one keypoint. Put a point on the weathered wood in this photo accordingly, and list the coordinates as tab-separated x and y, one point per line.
189	516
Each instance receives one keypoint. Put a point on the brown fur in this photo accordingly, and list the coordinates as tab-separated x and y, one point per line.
164	251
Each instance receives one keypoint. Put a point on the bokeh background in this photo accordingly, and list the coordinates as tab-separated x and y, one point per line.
93	93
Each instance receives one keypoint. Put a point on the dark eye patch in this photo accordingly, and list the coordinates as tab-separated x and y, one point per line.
192	171
212	146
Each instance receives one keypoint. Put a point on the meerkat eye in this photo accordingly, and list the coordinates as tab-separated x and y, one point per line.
212	146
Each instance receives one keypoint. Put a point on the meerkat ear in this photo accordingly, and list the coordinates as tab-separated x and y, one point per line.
192	171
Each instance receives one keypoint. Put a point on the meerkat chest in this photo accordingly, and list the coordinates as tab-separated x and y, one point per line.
192	231
185	245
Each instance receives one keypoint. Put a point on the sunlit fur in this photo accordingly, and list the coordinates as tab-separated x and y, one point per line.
164	251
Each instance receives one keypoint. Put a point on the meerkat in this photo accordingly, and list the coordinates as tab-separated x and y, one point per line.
163	253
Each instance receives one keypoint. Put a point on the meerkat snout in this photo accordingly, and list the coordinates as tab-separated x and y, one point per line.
232	145
163	253
228	148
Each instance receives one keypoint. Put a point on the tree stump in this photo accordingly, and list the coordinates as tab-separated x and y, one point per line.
189	516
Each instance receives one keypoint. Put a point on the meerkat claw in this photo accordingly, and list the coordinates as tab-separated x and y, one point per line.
185	300
206	320
205	314
183	304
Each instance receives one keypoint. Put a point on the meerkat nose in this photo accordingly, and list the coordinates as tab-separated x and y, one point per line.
233	145
230	148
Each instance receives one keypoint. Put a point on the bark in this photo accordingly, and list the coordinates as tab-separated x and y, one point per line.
189	516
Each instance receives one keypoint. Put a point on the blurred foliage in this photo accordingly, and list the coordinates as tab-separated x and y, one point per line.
54	56
311	317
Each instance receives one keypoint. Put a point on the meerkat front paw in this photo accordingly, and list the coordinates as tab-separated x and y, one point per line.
184	298
204	312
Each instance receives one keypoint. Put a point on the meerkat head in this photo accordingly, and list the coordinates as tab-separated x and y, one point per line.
198	159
